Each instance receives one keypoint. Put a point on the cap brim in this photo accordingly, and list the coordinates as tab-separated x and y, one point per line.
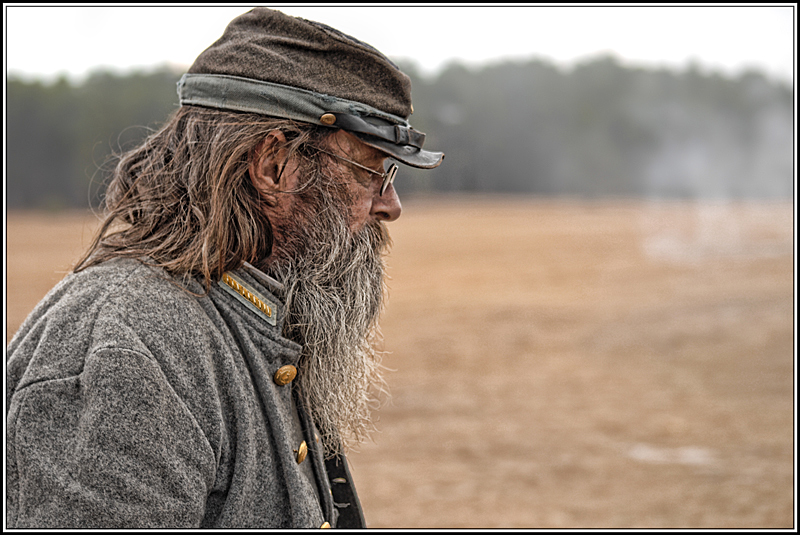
406	154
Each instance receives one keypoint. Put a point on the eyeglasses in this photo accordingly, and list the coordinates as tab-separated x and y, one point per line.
388	176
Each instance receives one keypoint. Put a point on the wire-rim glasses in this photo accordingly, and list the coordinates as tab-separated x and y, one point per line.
388	176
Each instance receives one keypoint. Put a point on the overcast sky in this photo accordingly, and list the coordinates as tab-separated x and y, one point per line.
46	41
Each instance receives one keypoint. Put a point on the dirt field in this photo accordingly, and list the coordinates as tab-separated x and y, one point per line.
562	364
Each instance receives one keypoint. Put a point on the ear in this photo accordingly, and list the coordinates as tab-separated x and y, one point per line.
269	169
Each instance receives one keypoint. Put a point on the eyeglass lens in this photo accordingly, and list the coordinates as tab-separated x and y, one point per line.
389	178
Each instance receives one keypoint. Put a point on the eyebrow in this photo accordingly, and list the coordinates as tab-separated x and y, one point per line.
373	158
364	153
372	154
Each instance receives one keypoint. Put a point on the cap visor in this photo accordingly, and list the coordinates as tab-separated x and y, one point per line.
407	154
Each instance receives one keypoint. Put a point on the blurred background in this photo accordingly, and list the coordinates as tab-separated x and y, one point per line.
590	320
658	102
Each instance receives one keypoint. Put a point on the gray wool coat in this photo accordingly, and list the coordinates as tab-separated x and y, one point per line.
132	403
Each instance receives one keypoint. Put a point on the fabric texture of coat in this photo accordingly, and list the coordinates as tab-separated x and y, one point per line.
136	401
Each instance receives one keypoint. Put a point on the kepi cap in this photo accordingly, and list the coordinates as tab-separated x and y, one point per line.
270	63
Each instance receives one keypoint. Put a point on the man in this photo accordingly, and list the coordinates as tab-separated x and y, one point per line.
211	357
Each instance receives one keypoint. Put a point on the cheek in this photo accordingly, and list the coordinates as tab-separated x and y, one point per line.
360	208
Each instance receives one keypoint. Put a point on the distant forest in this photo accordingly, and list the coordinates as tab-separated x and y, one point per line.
598	129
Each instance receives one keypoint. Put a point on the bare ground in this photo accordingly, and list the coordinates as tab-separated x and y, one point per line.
562	364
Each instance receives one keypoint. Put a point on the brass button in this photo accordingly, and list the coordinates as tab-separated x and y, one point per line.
325	525
285	375
328	119
301	452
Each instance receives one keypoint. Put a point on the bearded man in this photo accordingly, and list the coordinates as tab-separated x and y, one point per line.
212	356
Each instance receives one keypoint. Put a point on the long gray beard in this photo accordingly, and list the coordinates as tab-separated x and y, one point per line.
334	291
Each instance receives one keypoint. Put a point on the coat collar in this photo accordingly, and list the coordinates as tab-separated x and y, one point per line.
256	291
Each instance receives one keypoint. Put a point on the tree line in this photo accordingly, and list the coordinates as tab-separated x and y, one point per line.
598	129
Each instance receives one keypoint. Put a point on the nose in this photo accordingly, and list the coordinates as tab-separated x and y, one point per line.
386	207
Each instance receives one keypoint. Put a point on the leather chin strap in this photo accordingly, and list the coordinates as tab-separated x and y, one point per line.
394	133
390	133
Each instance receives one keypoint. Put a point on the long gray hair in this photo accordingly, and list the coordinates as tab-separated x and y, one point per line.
184	200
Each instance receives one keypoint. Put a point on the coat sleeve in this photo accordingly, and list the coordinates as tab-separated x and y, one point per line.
112	447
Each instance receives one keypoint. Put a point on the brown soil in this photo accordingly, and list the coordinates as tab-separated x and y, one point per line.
562	364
